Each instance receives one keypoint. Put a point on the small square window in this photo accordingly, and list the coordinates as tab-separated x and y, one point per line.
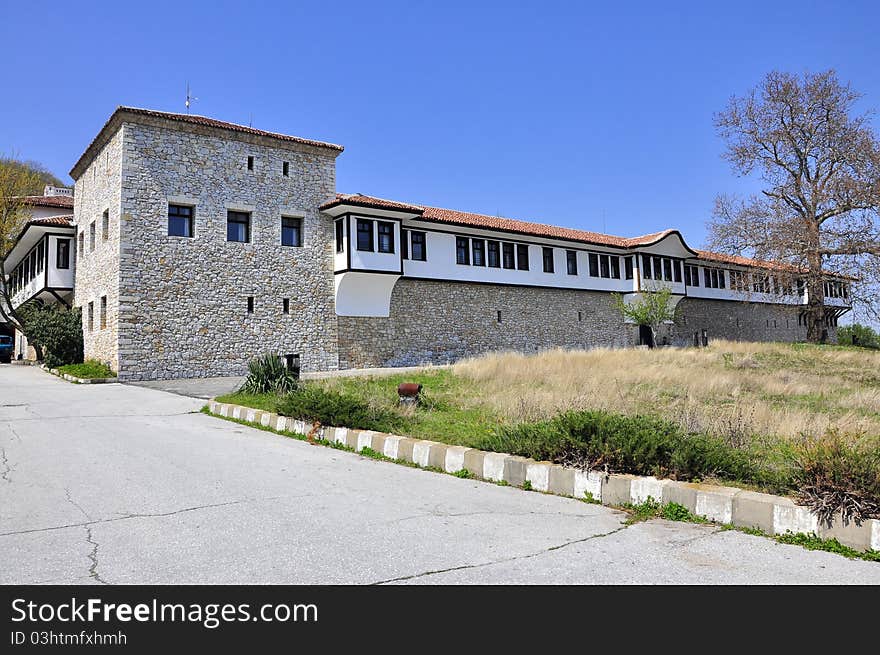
180	221
238	226
291	231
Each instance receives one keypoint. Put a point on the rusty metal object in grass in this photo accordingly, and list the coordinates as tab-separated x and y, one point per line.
409	392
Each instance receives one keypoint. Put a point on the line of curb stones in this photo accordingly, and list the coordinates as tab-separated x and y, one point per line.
774	515
73	378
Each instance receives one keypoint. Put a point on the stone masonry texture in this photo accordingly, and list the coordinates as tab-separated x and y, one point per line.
182	303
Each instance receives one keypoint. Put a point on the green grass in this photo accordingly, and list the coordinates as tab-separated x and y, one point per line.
812	542
263	401
89	369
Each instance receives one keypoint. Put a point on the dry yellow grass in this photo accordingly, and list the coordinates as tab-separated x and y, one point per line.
729	388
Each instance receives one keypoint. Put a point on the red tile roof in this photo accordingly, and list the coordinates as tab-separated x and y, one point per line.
192	119
61	221
468	219
49	201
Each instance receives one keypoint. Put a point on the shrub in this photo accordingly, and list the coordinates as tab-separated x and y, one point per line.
858	335
88	369
57	332
268	374
315	404
839	475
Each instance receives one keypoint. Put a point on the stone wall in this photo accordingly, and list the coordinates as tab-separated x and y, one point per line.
183	301
97	271
440	322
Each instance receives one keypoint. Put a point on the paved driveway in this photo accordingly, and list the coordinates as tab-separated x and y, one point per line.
124	484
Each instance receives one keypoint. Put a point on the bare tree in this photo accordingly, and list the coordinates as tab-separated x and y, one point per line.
16	182
819	163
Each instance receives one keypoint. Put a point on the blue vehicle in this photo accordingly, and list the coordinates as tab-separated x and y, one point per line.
6	348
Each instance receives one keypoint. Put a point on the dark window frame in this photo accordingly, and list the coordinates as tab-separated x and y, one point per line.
571	262
235	217
508	256
522	257
628	267
364	228
462	251
297	228
175	215
593	261
547	259
418	241
493	254
285	168
385	229
62	254
339	234
478	252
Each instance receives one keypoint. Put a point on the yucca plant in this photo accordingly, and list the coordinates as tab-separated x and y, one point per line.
268	374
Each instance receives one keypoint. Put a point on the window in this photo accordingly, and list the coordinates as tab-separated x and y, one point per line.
103	312
105	225
180	221
647	274
607	266
615	267
604	268
479	253
418	251
547	254
285	305
250	163
462	256
364	235
657	263
340	235
285	169
92	236
522	256
677	270
628	267
250	304
713	278
493	253
760	283
386	236
691	276
404	244
498	316
91	317
667	270
238	226
62	253
594	264
738	281
291	231
507	255
80	251
580	316
571	262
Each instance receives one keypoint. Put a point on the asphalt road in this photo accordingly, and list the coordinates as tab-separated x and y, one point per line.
124	484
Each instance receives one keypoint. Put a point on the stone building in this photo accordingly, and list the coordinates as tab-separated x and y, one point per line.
201	244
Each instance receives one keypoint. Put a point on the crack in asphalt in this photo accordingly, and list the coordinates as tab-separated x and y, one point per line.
76	504
505	560
7	469
138	516
93	557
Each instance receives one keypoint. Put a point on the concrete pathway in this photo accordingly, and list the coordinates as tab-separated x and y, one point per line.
123	484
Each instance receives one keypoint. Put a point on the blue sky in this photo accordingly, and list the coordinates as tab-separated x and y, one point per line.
579	114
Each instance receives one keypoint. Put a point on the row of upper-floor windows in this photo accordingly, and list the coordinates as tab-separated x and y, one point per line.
239	225
33	263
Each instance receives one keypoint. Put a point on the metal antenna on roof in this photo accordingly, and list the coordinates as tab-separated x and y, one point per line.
189	98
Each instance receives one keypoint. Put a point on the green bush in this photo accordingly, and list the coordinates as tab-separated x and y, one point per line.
836	474
859	335
315	404
57	332
88	369
268	374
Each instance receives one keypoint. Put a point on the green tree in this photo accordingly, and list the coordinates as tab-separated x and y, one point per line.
57	332
650	308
